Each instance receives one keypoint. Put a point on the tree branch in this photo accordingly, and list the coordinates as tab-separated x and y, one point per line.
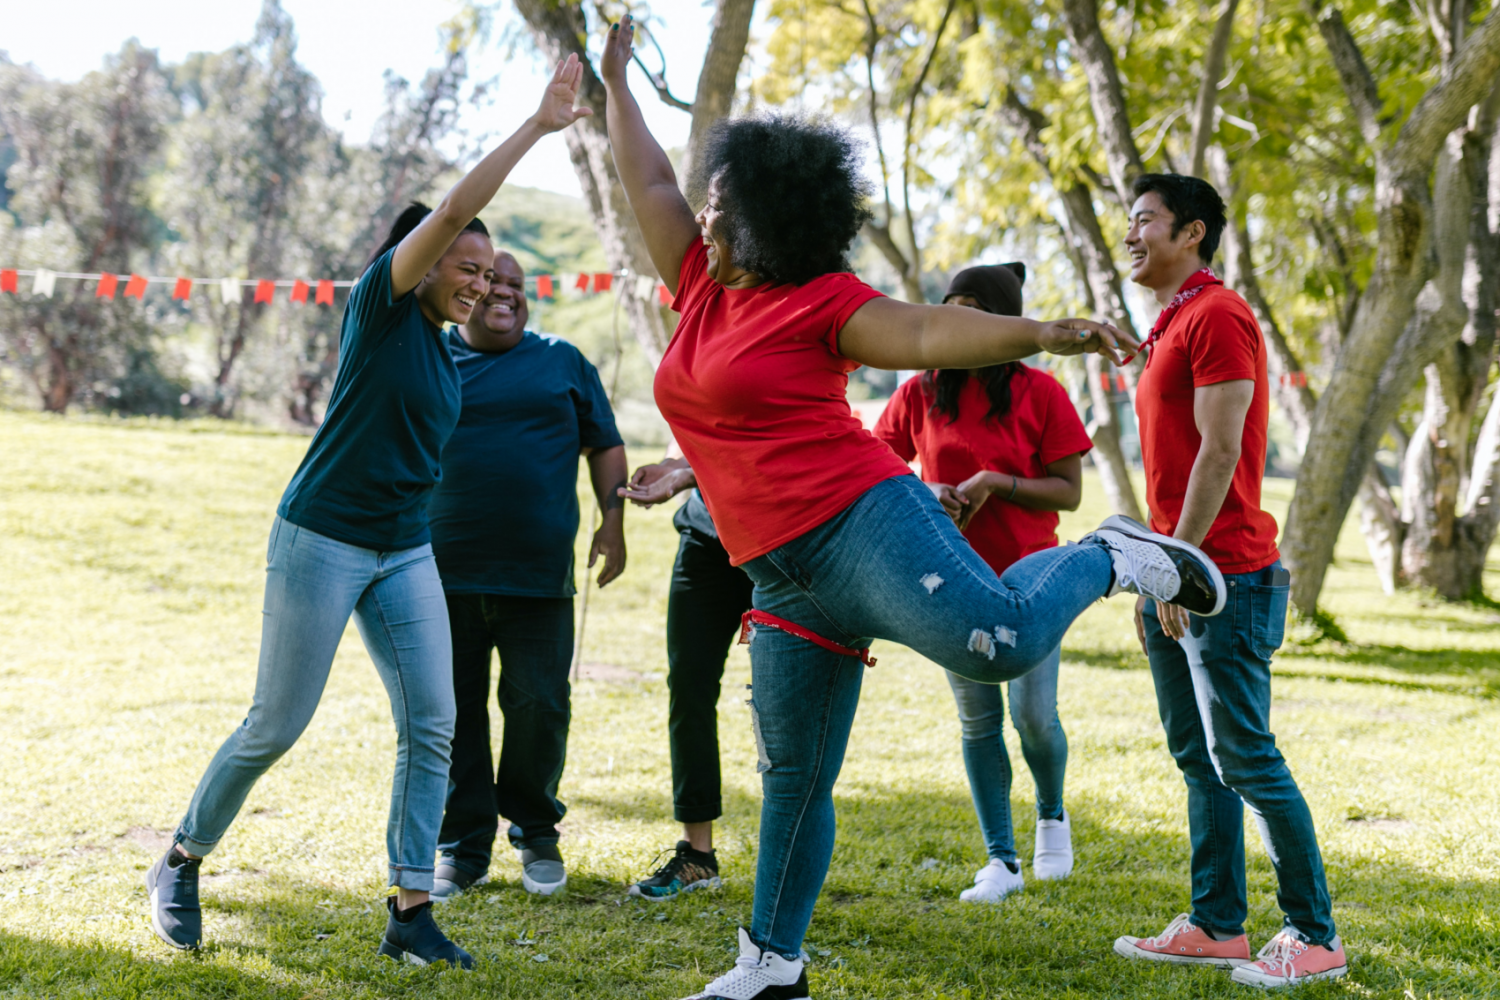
1111	117
1349	62
1208	87
1444	108
717	83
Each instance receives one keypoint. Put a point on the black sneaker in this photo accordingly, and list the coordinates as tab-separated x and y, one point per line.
173	886
450	881
1161	567
688	870
758	975
418	940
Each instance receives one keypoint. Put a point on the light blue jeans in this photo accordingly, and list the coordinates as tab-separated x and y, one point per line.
1033	709
313	585
890	566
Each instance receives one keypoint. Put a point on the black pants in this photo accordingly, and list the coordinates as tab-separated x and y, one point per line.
704	606
534	636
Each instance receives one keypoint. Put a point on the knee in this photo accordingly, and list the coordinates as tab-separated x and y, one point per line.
1036	727
265	742
1248	773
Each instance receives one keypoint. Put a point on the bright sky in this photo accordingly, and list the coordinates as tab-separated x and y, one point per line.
348	44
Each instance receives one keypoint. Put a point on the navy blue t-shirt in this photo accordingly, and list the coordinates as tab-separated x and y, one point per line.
371	467
505	516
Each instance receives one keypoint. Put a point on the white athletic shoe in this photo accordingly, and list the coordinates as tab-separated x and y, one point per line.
993	883
1053	857
758	975
1161	567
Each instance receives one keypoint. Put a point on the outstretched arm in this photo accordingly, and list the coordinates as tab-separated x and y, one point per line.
426	244
884	333
650	184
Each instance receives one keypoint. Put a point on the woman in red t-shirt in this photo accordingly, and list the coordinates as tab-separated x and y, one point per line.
842	543
1008	437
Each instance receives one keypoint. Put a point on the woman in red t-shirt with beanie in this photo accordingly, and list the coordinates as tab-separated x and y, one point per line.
1002	450
842	542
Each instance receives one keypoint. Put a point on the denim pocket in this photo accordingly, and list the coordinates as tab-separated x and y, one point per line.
1268	618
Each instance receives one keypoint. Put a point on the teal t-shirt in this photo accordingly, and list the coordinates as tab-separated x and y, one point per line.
367	476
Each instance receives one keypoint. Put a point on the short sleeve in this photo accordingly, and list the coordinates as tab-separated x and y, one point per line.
1064	433
895	425
1223	343
842	296
370	303
691	277
596	419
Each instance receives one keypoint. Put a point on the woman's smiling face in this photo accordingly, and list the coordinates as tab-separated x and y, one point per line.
459	281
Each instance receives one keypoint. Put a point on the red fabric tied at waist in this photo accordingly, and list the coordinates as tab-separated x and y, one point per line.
752	618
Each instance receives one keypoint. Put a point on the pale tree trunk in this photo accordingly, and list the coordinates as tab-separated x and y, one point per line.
559	29
1378	364
1111	117
1102	293
717	83
1208	88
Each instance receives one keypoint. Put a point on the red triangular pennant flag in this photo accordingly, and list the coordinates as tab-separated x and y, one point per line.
544	286
182	289
265	290
664	294
324	297
602	281
8	281
135	287
299	291
107	285
582	284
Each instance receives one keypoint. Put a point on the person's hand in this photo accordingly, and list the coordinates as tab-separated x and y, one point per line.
617	51
953	504
975	491
1085	336
658	483
557	111
1174	620
609	541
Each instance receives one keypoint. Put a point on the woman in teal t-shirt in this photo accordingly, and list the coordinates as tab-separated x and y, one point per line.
350	538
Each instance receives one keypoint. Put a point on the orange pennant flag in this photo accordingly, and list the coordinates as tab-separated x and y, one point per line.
265	290
544	286
299	291
664	294
107	285
325	294
9	280
602	281
135	287
182	289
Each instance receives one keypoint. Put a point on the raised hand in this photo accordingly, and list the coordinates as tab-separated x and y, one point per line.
1085	336
617	51
557	109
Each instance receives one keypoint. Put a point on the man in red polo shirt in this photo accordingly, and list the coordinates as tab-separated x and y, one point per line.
1203	403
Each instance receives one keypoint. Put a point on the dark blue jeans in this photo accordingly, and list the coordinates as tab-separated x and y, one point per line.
891	566
1214	692
534	636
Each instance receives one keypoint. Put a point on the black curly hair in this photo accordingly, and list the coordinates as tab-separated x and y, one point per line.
791	193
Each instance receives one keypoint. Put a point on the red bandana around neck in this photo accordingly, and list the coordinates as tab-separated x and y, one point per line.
1196	282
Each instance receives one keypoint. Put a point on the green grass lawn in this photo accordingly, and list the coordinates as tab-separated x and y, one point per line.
131	561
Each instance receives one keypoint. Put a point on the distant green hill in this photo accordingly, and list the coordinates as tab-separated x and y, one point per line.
547	232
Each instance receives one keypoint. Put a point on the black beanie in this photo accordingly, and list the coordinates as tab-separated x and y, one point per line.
996	287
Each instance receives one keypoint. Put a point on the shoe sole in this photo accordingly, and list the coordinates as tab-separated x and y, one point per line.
444	900
705	883
541	888
395	954
160	931
1135	529
1245	977
1126	948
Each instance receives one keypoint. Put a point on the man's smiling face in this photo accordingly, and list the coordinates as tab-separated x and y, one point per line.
499	321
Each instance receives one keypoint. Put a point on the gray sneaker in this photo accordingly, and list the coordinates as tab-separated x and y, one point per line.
1161	567
542	870
450	882
173	886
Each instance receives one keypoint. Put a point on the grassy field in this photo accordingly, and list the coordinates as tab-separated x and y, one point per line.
131	563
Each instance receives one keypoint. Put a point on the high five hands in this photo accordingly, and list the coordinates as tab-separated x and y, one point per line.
557	110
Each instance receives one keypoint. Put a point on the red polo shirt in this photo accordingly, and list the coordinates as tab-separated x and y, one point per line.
1213	338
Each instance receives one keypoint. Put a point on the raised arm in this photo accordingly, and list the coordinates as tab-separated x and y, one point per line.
426	244
885	333
650	184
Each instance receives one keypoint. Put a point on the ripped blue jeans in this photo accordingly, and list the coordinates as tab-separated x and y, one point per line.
890	566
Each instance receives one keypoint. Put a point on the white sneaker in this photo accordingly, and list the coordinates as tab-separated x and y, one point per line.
758	975
1160	567
993	883
1053	857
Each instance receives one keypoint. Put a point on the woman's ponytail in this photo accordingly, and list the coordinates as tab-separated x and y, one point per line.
411	216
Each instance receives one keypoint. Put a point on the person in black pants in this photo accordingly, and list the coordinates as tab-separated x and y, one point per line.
704	606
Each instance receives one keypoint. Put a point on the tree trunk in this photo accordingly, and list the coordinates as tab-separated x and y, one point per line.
717	83
1379	360
1208	88
1111	118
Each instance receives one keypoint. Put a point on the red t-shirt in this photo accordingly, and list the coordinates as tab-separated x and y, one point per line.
1213	338
753	386
1040	428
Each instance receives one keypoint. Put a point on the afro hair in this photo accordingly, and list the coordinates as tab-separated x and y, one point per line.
790	191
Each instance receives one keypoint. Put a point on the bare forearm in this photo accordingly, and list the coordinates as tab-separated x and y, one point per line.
477	188
1208	485
1047	493
608	471
894	335
639	158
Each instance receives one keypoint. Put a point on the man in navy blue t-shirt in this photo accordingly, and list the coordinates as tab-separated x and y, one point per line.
504	519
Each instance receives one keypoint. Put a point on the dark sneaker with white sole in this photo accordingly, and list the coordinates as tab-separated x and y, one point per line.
542	869
758	975
449	882
686	871
414	937
172	884
1161	567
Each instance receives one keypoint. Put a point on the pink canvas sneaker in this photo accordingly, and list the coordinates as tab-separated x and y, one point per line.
1287	960
1187	944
